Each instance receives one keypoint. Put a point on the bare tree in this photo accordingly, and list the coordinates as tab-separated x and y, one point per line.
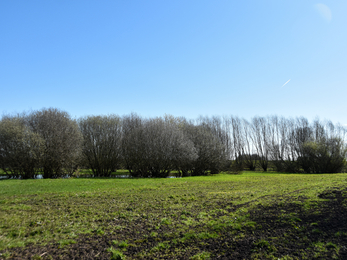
210	151
260	137
133	146
101	143
220	128
49	141
283	149
237	142
249	154
167	146
277	142
322	148
154	147
62	141
20	148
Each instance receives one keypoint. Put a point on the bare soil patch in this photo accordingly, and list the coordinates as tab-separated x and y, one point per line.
285	229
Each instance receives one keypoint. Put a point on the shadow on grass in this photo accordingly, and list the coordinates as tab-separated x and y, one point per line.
290	228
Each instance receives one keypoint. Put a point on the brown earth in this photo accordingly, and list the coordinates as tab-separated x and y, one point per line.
286	230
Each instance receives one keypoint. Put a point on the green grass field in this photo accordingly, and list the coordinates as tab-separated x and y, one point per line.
169	218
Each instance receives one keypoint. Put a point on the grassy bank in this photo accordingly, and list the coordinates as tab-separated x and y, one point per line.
182	218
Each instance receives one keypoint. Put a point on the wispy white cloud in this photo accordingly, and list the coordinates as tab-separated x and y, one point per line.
324	11
285	83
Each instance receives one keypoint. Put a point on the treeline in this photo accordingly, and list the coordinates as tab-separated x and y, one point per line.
50	143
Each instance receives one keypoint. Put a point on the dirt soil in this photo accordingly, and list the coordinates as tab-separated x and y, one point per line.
283	230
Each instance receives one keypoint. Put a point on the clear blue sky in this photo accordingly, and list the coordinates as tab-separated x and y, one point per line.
179	57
